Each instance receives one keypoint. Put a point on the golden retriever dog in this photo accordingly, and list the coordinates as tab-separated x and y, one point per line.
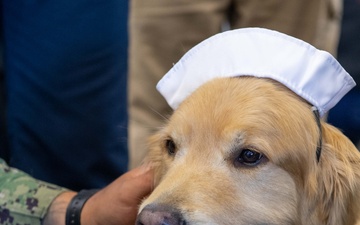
242	151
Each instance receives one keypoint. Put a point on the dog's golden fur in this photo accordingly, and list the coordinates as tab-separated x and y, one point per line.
199	175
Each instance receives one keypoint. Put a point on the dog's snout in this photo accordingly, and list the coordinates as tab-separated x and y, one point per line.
160	215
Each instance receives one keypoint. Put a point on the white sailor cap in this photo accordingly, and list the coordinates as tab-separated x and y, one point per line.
313	74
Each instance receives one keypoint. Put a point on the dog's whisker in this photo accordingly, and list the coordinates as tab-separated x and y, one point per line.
164	117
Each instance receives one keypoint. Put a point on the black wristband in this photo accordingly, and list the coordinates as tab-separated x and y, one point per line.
73	211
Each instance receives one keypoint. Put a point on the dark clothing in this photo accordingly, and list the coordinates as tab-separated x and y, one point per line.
346	114
65	84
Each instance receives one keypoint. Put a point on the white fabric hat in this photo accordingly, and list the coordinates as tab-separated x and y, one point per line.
313	74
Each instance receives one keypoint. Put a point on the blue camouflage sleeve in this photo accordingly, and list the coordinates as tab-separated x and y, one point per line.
23	199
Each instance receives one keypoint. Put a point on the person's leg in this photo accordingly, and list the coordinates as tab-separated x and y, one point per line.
65	65
314	21
161	31
4	151
346	114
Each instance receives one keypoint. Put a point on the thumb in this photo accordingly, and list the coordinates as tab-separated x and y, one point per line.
138	182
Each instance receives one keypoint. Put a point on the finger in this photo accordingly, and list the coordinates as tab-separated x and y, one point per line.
138	171
140	185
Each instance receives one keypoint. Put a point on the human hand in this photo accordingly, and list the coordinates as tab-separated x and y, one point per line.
117	203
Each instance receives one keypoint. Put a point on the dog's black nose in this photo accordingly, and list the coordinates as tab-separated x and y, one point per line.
160	215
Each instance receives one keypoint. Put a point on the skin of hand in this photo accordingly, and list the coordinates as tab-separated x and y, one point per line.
117	203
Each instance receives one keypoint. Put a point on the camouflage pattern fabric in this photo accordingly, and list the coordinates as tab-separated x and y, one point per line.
23	199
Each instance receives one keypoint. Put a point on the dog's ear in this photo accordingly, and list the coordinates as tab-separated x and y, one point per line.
338	177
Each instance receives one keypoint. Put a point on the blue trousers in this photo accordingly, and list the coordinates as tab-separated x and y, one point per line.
346	114
65	65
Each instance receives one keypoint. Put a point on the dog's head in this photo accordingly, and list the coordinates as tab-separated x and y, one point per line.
243	151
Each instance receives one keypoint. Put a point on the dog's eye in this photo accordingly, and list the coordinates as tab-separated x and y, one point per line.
170	146
249	158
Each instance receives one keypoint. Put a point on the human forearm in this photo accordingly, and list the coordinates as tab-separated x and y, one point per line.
57	210
23	199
